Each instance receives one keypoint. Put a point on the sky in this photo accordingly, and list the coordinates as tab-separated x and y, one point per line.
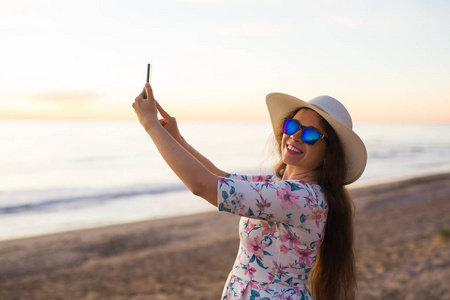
386	61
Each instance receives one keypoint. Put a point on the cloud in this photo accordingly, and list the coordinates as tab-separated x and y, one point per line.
346	21
63	97
245	29
253	28
218	2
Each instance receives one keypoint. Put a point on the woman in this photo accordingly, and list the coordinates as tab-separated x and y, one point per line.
295	225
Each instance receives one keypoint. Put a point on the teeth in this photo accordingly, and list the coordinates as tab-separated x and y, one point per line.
293	149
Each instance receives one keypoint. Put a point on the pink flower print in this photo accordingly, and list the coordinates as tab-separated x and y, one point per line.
256	246
288	236
297	290
284	249
256	188
261	178
310	202
318	215
223	180
271	276
305	256
258	178
239	197
264	286
266	184
302	182
254	285
244	177
240	254
250	271
249	226
268	229
287	198
263	204
269	217
279	268
242	283
319	241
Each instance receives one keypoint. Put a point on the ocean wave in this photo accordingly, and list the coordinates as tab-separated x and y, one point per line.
59	199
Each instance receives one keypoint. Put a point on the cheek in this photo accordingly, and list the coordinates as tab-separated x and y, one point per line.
320	154
316	154
283	141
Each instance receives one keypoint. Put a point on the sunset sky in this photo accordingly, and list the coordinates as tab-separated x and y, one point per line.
216	60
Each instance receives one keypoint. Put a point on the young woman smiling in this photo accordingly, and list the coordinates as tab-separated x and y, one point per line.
296	225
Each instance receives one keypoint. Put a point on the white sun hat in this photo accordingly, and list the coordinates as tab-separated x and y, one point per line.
336	115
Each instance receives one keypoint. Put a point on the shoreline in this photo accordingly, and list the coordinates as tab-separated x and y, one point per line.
353	187
401	243
394	179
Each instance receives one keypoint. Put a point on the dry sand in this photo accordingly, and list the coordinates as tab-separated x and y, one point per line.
402	240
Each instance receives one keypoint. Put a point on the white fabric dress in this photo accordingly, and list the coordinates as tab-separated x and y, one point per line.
281	230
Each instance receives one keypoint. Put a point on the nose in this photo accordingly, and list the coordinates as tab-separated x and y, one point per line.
297	136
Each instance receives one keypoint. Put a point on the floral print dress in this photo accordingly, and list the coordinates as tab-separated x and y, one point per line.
281	230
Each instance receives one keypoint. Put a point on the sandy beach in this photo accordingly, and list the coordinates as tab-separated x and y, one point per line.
402	243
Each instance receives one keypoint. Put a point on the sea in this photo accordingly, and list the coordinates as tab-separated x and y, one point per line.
58	176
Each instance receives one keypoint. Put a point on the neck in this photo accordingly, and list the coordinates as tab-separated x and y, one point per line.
307	176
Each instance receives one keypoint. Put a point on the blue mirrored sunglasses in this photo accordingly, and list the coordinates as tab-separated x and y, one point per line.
309	135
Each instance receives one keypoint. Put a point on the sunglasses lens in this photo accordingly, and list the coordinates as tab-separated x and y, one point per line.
290	127
310	136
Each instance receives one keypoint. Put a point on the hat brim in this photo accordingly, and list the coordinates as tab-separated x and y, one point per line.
279	105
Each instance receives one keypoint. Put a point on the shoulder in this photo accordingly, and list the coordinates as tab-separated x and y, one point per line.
312	191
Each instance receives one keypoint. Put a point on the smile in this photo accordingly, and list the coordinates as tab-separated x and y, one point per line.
293	149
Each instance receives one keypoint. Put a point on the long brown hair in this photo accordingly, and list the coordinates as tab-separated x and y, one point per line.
334	273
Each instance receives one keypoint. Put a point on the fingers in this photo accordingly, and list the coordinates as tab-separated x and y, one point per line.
135	103
149	91
142	94
138	98
146	96
163	122
163	113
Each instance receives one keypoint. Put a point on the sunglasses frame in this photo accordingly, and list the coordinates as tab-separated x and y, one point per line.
302	128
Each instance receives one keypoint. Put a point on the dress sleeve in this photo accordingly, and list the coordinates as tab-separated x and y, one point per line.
292	202
251	178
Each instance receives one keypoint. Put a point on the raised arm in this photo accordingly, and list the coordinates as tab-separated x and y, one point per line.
170	124
197	178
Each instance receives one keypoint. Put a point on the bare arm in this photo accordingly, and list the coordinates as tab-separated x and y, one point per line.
170	124
197	178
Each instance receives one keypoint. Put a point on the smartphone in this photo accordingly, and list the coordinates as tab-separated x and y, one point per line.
149	77
149	73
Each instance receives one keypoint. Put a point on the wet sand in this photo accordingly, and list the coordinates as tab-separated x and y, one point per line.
402	243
